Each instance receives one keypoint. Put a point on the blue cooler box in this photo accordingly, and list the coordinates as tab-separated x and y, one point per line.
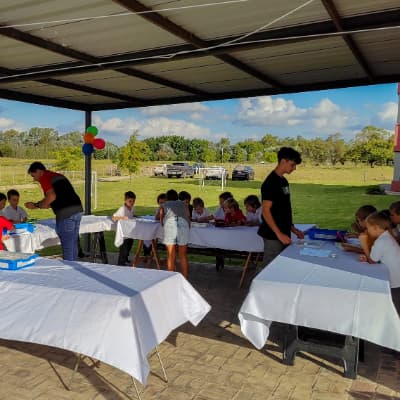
13	260
326	234
24	227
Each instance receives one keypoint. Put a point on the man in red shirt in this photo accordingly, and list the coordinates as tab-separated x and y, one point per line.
65	203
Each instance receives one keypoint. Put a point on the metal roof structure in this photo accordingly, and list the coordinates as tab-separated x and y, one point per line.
111	54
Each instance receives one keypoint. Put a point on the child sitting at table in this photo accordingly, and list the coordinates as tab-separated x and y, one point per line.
126	211
233	214
219	213
14	212
200	213
394	210
253	210
3	200
385	250
186	197
175	218
359	226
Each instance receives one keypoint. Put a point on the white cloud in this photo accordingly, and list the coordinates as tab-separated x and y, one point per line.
269	111
328	117
6	123
388	112
120	129
323	118
175	109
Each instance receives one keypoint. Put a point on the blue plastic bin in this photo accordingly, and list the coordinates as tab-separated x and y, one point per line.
26	226
326	234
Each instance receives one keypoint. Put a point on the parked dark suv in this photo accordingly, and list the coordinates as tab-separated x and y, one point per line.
244	172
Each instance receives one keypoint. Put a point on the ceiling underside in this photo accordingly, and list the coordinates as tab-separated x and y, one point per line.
110	54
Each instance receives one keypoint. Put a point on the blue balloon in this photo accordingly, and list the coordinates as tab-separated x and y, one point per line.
87	149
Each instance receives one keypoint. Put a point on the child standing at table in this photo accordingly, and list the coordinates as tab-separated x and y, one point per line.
385	250
200	213
126	211
174	216
14	212
161	199
233	214
186	197
253	210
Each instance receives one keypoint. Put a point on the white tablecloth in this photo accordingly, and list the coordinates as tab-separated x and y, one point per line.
137	228
114	314
45	234
339	294
240	238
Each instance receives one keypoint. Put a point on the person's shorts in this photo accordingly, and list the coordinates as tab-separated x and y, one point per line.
176	231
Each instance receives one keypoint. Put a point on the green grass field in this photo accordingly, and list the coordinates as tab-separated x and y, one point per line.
327	196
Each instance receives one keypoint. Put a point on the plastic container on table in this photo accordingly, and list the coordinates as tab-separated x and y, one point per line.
332	235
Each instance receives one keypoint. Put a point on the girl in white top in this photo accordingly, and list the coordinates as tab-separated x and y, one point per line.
200	213
253	210
219	213
127	211
385	248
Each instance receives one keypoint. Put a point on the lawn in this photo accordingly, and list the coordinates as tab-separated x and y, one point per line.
327	196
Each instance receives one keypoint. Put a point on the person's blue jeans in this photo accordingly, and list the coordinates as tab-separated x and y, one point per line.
68	232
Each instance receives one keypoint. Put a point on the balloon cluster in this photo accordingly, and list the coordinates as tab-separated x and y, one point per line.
91	142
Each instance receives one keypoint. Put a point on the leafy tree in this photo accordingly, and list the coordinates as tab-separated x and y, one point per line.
132	153
336	148
68	158
373	145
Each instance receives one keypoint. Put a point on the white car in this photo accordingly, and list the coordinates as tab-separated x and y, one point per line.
160	170
215	173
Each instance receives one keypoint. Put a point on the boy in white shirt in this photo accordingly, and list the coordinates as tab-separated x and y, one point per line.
200	213
385	250
14	212
127	211
253	210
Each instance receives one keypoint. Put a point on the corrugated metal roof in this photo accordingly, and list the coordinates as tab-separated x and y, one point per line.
85	55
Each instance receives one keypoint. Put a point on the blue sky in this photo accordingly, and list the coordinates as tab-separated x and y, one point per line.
311	114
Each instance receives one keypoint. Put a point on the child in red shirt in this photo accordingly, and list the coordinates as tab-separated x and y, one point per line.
4	224
233	214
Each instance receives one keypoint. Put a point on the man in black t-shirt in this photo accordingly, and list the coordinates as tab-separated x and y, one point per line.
277	223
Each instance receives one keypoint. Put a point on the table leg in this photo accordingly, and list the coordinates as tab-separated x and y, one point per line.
98	245
348	352
246	265
155	254
137	255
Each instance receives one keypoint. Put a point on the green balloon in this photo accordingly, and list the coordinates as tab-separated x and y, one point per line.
92	130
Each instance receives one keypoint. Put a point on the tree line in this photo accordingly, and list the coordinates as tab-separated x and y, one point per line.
372	145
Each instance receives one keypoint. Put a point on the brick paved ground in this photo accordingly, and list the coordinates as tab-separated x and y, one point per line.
209	362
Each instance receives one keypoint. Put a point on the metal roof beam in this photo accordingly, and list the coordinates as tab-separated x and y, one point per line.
81	88
171	27
88	59
313	31
334	14
256	92
43	100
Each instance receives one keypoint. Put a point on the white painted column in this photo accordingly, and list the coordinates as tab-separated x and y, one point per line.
395	186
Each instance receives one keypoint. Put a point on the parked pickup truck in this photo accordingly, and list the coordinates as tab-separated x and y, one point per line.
180	170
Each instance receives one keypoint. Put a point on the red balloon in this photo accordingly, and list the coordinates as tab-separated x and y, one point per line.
99	144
